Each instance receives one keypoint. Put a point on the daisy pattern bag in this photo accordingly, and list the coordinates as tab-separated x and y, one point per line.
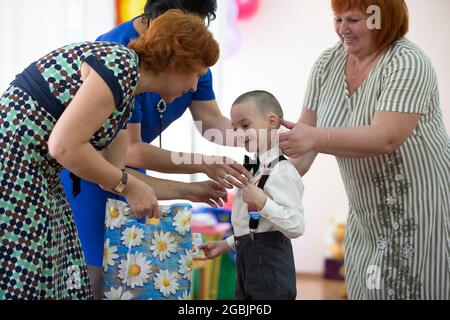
147	260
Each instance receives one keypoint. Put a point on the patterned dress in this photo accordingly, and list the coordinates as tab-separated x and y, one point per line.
398	234
40	254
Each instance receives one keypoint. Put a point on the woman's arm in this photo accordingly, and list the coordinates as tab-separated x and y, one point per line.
304	162
208	192
69	142
386	133
144	155
117	150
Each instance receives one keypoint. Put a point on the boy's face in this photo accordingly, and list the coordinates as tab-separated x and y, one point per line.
251	127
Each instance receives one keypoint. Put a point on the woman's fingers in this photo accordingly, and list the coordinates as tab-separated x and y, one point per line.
287	124
284	137
242	171
235	178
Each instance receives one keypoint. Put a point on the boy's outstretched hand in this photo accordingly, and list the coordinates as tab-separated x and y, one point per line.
213	249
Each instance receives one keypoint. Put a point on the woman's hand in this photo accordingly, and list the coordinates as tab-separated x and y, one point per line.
213	249
209	192
226	172
141	198
254	197
299	141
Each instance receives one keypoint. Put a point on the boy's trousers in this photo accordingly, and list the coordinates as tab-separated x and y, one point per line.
265	267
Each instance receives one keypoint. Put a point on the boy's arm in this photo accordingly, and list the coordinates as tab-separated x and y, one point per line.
230	242
283	206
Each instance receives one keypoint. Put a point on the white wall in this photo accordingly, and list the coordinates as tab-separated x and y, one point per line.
31	28
279	47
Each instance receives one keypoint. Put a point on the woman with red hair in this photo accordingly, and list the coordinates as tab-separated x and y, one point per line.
58	113
373	102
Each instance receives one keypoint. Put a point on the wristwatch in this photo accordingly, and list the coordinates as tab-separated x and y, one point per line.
122	183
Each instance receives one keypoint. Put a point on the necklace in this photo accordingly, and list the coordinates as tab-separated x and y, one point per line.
161	106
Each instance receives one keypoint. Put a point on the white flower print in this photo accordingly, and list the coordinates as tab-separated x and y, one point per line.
109	255
166	283
391	200
132	236
182	221
163	244
134	271
381	242
116	213
408	251
186	262
117	294
185	296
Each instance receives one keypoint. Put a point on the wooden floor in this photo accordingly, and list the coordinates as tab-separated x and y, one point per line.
315	287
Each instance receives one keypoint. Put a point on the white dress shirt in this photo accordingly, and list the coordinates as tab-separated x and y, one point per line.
283	210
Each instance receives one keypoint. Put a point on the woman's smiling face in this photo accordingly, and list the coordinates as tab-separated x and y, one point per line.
351	27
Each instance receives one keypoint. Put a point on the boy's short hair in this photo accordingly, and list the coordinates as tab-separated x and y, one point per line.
265	101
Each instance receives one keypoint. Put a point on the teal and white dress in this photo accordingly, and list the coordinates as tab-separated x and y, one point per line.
398	234
40	253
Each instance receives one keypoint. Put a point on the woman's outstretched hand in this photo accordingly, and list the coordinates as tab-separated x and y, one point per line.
209	192
225	171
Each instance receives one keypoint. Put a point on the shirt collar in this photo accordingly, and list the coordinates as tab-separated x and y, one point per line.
268	156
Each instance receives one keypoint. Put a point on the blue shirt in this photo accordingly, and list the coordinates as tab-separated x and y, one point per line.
89	206
145	111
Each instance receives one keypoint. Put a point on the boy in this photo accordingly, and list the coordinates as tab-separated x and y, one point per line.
268	211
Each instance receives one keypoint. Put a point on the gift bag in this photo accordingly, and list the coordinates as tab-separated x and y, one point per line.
147	259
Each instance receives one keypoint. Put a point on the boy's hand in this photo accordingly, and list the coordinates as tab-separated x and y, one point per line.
254	197
213	249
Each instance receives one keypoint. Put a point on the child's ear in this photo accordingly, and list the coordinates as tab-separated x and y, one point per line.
274	121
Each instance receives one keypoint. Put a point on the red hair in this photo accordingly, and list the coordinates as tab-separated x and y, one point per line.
394	18
178	42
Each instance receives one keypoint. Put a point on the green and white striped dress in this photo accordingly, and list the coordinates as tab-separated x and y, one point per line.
398	234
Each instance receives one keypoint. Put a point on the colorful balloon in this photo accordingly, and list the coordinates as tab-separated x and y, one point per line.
247	8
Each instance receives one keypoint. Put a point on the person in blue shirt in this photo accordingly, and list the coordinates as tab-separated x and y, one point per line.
151	116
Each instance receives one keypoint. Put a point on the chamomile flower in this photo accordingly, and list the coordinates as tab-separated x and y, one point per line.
182	221
134	271
109	255
166	282
116	213
163	244
132	236
186	261
117	294
185	296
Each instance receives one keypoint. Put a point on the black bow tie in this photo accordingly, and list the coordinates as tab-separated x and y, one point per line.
251	165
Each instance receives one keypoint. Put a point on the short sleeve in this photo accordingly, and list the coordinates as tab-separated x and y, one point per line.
312	96
204	88
118	66
136	116
409	82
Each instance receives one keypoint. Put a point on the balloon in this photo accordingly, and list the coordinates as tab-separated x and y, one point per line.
247	8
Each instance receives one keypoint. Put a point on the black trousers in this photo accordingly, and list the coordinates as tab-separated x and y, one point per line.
265	267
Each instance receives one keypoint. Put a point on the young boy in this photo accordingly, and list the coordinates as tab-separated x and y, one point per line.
268	211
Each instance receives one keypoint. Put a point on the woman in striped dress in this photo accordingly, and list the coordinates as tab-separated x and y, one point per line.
58	113
373	102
